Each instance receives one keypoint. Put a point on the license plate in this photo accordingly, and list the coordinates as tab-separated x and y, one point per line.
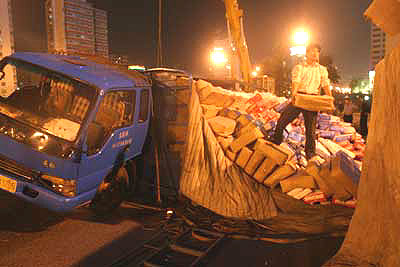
8	184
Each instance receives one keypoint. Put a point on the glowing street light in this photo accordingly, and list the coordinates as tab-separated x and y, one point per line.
254	73
301	38
218	56
300	41
258	68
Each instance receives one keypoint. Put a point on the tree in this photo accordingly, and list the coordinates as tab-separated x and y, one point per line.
278	66
333	72
359	86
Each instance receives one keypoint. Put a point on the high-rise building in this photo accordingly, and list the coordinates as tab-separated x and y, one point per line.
72	27
119	59
100	32
6	46
378	40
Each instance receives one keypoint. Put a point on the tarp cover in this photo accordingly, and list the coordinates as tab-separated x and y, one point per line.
211	180
374	233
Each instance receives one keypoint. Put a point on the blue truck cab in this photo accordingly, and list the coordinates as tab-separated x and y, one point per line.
70	130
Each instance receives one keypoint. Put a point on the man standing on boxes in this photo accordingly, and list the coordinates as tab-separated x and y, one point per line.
307	78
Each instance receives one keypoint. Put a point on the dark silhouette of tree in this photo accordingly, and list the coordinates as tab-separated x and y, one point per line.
333	72
278	66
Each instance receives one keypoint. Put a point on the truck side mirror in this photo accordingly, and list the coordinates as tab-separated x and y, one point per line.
95	136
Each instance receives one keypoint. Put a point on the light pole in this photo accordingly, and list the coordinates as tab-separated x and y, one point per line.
159	35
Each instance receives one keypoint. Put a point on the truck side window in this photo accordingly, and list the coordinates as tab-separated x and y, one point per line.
144	105
115	111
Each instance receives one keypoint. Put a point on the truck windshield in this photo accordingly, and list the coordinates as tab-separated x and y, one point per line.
43	99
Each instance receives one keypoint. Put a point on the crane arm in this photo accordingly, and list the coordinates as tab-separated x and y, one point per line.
234	16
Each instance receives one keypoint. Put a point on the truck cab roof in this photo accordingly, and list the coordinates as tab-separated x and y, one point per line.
104	76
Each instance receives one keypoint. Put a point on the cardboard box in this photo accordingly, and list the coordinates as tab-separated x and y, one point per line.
296	181
280	174
244	157
265	169
230	154
313	170
222	126
254	162
314	102
343	170
316	197
218	99
244	119
230	113
272	151
210	111
224	141
246	139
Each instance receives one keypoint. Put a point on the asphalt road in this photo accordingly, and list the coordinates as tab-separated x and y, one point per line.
31	236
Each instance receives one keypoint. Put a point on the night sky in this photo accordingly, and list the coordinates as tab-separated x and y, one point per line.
191	26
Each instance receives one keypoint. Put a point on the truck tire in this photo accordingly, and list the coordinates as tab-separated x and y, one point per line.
111	192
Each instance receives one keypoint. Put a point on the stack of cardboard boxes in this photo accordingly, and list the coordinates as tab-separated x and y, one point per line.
242	122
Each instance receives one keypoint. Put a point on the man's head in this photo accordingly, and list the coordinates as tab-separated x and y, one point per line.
312	52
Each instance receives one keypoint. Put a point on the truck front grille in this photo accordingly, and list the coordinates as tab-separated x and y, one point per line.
12	167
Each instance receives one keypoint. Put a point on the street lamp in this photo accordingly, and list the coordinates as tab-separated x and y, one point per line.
300	41
218	56
301	37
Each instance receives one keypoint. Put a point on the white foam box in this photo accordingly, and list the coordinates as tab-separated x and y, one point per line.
265	169
254	162
334	148
245	139
244	156
272	151
222	126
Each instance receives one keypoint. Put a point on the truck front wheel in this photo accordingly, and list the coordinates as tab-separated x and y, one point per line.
111	193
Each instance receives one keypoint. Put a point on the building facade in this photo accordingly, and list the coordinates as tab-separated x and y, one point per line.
101	32
8	83
378	47
119	59
75	26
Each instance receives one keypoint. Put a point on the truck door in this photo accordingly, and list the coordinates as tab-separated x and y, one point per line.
141	125
111	137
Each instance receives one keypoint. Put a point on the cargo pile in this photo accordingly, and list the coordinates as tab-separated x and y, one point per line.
242	123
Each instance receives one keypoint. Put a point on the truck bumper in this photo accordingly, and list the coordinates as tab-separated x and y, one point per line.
48	199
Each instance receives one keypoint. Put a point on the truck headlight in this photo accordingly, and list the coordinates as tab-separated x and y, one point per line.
59	185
